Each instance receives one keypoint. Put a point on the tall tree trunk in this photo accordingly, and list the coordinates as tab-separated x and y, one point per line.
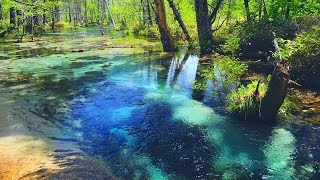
13	21
99	17
32	26
0	12
53	19
264	8
57	13
260	10
110	14
204	25
44	17
19	18
69	12
85	13
246	5
21	28
166	39
103	12
29	24
150	22
179	19
144	16
36	19
78	9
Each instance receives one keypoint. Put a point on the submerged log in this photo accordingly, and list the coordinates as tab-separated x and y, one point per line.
276	93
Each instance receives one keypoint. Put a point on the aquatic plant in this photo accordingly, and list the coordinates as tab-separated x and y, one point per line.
245	101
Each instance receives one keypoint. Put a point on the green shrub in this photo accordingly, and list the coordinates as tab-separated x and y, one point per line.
231	45
147	31
303	54
255	39
62	24
136	28
152	32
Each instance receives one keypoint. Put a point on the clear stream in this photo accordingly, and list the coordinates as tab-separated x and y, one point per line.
131	113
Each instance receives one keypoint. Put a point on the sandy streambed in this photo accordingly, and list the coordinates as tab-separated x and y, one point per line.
32	146
24	155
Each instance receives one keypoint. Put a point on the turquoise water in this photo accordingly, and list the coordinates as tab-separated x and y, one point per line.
133	114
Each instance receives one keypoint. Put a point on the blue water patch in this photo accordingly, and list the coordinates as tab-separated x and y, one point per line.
146	110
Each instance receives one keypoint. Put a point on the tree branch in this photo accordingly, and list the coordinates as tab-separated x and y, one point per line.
216	29
214	13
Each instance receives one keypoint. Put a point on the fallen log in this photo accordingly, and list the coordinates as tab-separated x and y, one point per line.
277	89
276	93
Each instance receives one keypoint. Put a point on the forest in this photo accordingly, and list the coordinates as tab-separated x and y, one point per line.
159	89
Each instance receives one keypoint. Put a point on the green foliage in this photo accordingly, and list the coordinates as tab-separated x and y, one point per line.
147	31
62	24
287	8
257	38
226	70
304	45
152	32
232	45
230	70
303	55
243	102
138	29
288	108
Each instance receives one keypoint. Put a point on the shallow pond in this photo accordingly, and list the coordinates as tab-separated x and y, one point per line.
131	113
